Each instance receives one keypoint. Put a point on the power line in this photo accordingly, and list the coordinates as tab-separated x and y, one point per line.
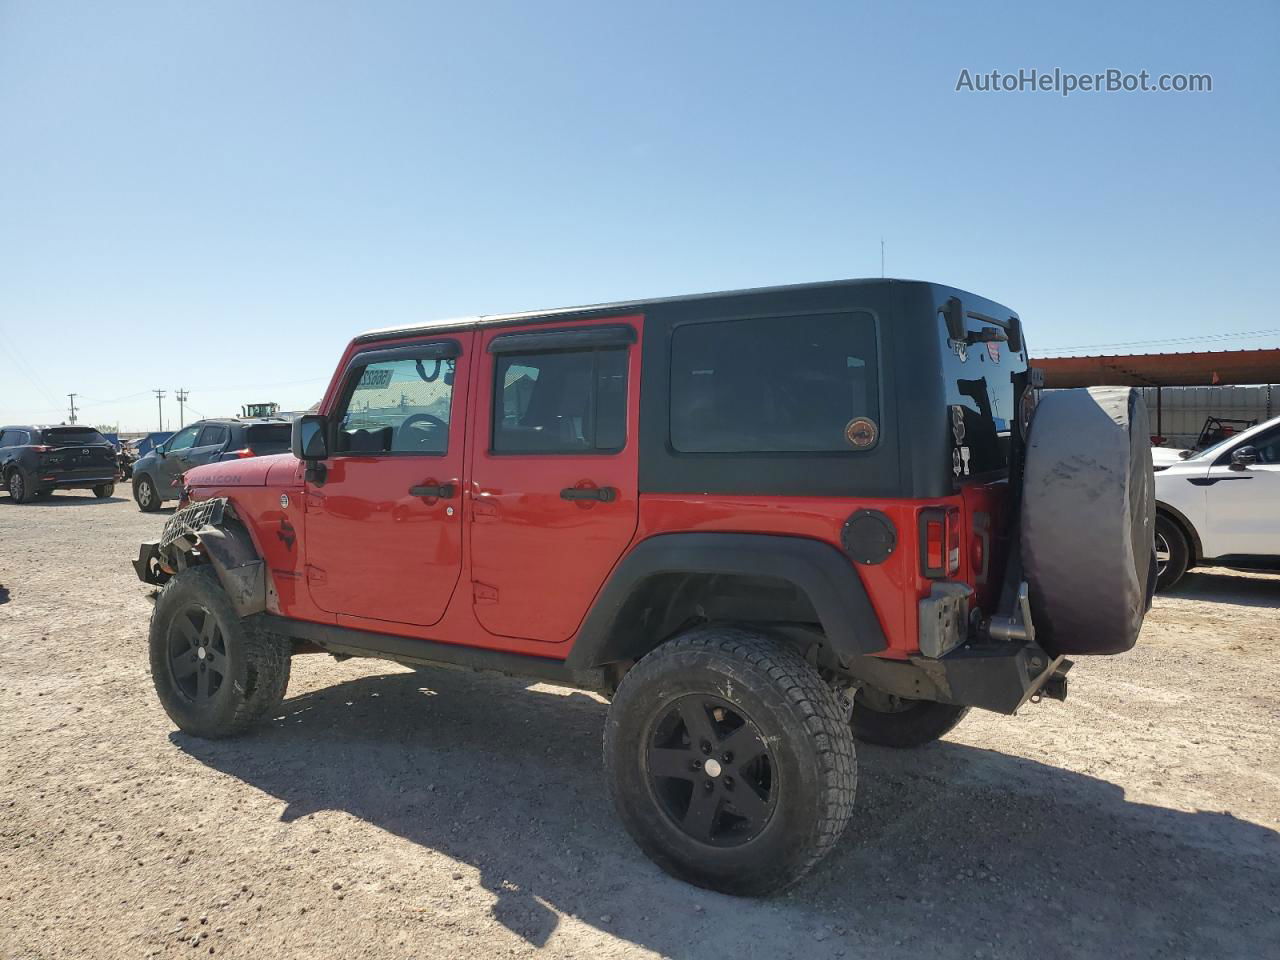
1240	335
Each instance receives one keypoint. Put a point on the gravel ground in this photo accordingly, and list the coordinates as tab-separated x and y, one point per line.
394	814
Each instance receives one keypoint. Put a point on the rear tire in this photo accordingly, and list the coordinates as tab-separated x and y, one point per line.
104	490
19	490
898	722
730	761
215	675
145	493
1173	553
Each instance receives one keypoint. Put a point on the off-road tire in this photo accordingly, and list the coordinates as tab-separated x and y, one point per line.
257	661
144	485
914	724
810	753
20	491
104	490
1171	536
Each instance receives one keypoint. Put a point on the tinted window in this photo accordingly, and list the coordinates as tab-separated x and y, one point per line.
269	438
398	406
8	438
980	402
72	437
570	401
212	436
773	384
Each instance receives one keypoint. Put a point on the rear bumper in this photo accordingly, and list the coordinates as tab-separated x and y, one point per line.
998	676
49	481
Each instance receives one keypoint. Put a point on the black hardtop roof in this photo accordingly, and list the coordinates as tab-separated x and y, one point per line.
622	306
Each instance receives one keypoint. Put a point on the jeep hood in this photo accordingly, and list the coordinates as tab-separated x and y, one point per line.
280	469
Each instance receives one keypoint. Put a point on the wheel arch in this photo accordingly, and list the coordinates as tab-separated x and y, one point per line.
210	533
1186	526
670	580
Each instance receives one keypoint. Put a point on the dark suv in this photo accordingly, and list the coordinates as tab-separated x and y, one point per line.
763	523
35	461
156	475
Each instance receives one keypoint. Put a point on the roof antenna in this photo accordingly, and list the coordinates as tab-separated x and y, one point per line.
882	258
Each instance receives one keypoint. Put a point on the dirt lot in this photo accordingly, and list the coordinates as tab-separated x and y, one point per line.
395	814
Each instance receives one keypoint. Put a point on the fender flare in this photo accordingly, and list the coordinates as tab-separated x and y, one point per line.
817	570
227	546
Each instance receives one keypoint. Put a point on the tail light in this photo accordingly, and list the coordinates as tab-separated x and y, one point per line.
940	542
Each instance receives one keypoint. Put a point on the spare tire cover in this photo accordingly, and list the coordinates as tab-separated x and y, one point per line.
1088	519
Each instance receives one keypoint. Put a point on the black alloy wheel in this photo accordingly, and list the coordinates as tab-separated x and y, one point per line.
711	772
197	654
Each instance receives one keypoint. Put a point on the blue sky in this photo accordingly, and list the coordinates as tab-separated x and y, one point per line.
217	196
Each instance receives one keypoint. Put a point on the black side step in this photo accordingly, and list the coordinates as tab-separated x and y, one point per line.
415	650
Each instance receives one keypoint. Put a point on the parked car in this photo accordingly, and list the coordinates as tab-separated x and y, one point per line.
763	523
36	460
157	475
1221	506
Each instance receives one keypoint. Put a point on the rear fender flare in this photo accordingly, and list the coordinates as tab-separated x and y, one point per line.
618	626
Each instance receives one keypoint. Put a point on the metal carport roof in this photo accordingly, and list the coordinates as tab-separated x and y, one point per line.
1212	368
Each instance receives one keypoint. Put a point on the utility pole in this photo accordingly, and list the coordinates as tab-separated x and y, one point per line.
72	398
160	407
182	398
882	258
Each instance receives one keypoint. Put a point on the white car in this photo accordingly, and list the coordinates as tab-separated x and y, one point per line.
1221	506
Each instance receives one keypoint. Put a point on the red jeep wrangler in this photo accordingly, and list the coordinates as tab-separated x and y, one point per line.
763	523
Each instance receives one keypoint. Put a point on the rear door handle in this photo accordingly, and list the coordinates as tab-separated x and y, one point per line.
603	494
443	490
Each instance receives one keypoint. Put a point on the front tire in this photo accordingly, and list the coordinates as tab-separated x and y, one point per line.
215	675
1173	553
145	494
729	761
104	490
889	721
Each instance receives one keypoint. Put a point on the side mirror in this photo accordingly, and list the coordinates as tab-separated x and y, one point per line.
1244	458
310	439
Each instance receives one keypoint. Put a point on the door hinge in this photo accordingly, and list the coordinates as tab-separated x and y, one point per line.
316	575
483	593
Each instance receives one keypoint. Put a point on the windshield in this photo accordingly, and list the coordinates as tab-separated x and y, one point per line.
72	437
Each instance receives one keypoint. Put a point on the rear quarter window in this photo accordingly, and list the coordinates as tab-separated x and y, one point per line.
773	384
270	438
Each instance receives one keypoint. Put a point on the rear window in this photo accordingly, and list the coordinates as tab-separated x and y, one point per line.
71	437
269	438
980	403
775	385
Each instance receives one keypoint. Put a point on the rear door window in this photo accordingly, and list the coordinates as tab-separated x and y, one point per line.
563	401
212	436
775	385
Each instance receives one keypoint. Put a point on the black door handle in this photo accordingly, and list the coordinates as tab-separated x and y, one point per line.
444	490
603	494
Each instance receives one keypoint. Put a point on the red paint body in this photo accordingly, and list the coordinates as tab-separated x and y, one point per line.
515	567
